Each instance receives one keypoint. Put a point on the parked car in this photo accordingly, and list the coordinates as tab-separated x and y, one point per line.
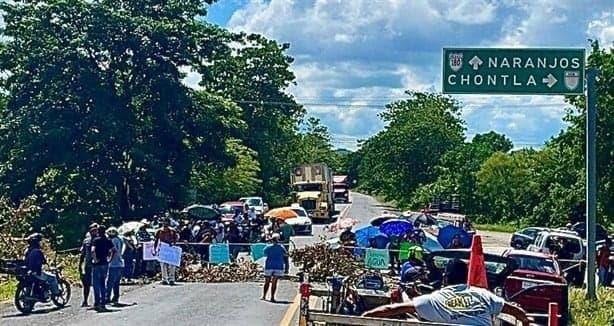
568	247
302	224
257	203
580	229
534	269
228	209
523	238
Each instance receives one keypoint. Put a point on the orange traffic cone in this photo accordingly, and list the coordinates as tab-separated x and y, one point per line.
477	269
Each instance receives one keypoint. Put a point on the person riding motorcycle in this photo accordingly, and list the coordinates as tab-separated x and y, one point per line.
35	259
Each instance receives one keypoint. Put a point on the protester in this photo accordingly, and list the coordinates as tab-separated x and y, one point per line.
287	231
206	236
251	215
142	235
394	246
116	266
603	263
128	256
102	251
168	236
35	259
234	237
273	266
457	303
85	262
184	232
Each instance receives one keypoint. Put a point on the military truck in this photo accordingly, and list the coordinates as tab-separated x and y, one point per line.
313	190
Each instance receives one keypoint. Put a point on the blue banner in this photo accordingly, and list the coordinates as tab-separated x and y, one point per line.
219	253
257	250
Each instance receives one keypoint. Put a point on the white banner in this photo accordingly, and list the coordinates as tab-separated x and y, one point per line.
148	251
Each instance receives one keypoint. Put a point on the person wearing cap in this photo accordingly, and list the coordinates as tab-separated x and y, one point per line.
85	262
102	251
273	266
169	236
116	266
35	259
142	236
456	303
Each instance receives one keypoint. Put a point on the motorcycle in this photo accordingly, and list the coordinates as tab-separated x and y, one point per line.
30	290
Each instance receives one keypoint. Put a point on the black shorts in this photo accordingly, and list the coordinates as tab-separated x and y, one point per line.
86	278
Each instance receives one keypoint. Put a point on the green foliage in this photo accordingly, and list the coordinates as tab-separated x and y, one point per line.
420	130
591	313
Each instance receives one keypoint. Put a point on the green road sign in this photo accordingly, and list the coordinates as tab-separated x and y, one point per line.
513	71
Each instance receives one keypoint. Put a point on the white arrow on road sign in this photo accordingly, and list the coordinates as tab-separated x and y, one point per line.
549	80
475	62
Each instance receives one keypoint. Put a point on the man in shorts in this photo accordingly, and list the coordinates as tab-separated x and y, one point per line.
457	303
274	265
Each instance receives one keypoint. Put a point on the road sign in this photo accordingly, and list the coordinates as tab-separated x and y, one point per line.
513	71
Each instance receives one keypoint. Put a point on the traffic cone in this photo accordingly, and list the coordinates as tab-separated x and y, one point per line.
477	269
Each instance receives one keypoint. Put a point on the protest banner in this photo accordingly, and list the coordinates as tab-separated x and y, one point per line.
219	253
377	258
148	251
257	250
169	254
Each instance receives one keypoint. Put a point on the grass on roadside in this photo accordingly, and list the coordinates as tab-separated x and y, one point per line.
7	289
507	228
592	313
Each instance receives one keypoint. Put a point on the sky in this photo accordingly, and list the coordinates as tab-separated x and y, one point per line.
353	56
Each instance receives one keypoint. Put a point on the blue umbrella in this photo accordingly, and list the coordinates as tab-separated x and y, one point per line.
396	227
447	233
363	234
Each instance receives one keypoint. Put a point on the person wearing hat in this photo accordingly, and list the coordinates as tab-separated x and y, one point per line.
169	236
457	303
85	262
35	259
116	266
275	255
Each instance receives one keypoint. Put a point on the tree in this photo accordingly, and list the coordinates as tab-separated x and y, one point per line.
98	122
420	130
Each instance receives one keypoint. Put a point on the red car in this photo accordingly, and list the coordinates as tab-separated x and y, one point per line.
228	210
525	285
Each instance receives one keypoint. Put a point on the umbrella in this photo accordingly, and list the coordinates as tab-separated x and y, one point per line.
129	226
422	218
447	233
378	220
396	227
201	212
282	213
363	234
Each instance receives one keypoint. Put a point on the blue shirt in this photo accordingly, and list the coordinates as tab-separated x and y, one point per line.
117	260
274	256
35	260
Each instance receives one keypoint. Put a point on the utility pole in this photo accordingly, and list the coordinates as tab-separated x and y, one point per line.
591	178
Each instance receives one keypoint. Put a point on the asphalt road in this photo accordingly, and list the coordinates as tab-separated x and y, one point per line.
203	304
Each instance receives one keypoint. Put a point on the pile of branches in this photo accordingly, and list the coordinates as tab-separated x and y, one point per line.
240	271
320	261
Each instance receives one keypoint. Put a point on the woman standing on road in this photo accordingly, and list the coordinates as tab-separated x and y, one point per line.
273	266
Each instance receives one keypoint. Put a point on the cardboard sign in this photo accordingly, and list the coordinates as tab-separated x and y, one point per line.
257	250
148	251
219	253
169	254
377	258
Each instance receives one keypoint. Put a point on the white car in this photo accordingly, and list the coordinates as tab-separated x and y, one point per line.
301	224
257	203
546	238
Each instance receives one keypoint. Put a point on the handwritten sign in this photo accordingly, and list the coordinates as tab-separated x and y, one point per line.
169	254
257	250
377	258
219	253
148	251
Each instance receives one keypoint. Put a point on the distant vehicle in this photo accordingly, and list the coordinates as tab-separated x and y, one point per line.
341	189
532	270
229	208
313	187
257	203
302	224
580	229
523	238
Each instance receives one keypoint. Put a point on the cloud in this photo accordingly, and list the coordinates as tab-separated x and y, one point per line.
353	57
602	28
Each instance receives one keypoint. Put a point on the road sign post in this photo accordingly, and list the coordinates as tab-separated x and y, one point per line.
533	71
513	71
591	179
